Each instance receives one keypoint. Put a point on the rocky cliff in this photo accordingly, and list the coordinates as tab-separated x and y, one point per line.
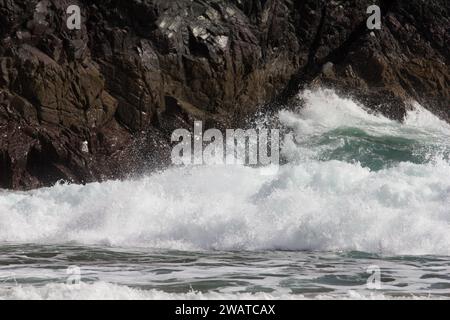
100	102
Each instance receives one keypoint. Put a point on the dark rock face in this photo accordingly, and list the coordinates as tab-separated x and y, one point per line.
101	102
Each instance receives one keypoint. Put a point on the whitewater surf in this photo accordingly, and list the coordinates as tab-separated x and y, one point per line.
357	189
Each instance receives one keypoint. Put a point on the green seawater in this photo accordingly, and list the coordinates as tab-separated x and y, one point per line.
354	145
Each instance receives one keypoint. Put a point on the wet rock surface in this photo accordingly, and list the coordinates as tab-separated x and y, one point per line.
100	102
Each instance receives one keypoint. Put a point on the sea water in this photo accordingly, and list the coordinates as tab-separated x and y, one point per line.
360	197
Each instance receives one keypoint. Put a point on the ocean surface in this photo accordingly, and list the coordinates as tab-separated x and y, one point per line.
359	210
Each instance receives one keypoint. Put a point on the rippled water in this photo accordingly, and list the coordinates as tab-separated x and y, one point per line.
37	271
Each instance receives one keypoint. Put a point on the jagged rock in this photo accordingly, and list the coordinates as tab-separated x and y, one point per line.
138	69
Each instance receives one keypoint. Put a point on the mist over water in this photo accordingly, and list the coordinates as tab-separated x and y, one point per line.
353	181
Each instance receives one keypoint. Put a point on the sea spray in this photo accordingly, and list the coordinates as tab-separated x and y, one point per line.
329	196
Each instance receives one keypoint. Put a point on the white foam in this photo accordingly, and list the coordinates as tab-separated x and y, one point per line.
109	291
309	204
324	110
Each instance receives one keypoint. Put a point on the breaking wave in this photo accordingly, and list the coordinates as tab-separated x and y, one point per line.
353	181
